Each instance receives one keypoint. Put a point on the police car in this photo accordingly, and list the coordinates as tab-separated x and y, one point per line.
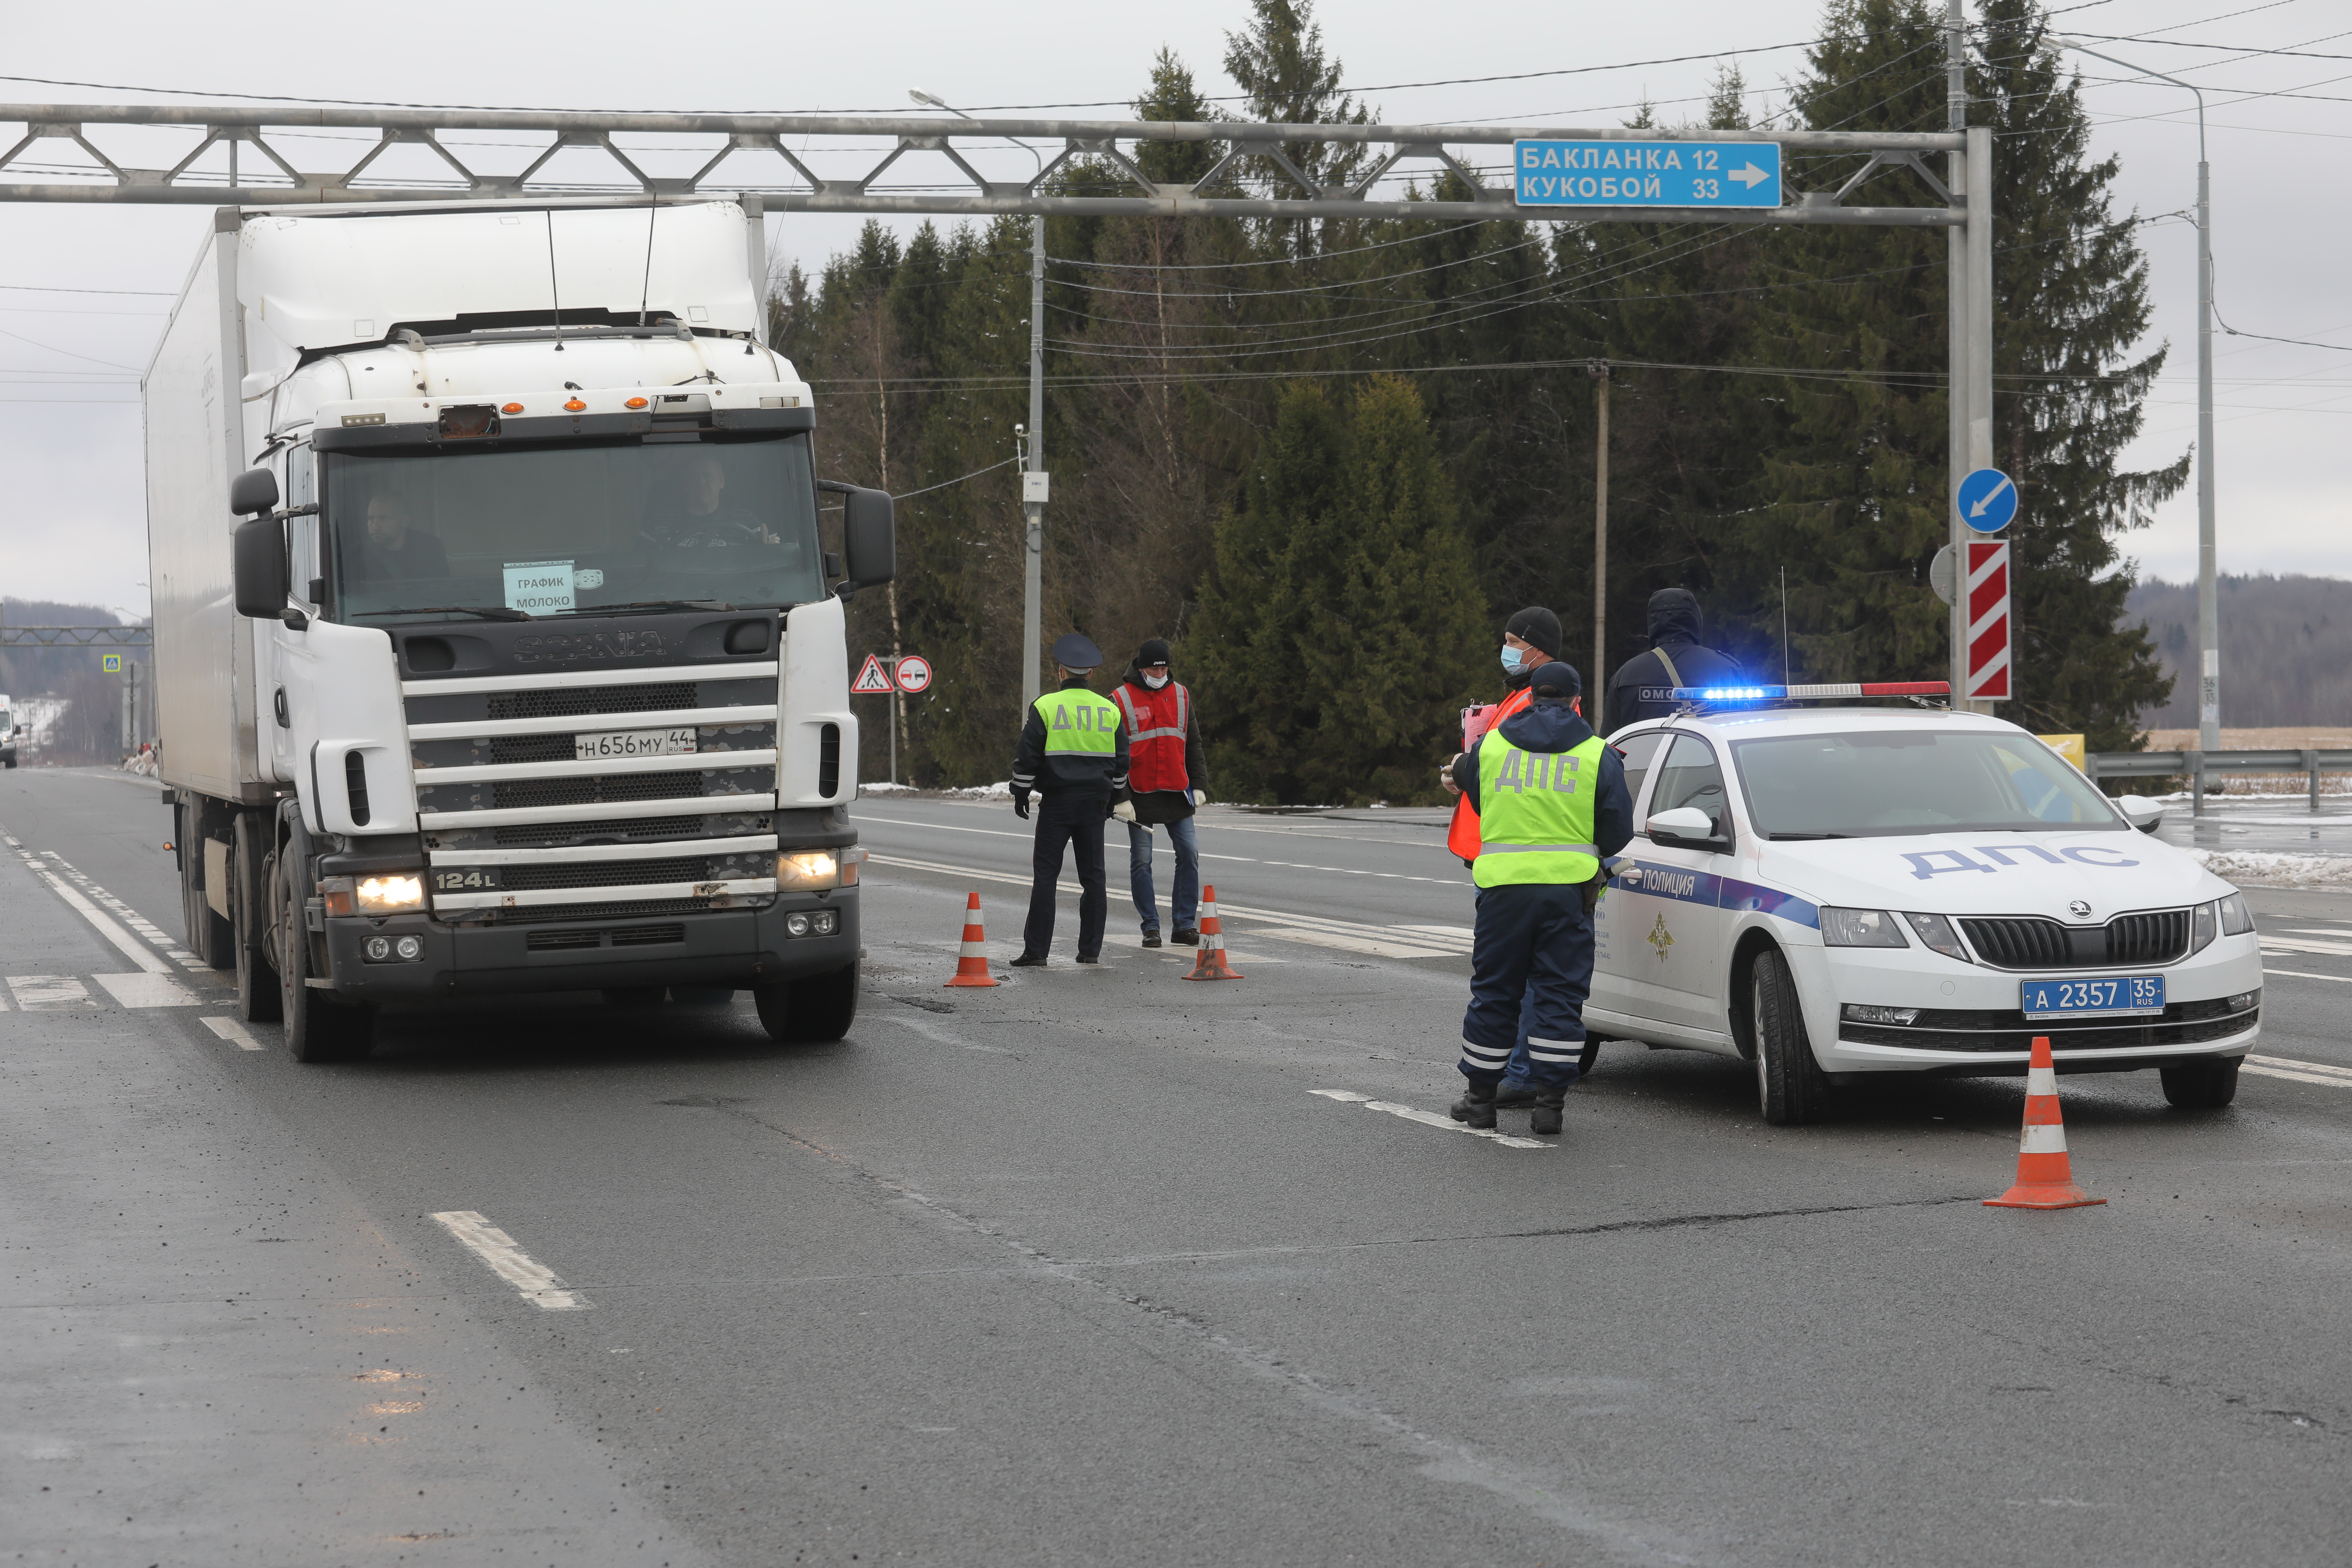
1837	891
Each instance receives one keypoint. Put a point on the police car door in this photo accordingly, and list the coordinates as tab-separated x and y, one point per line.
1615	944
1672	932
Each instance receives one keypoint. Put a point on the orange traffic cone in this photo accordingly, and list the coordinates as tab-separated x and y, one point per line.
972	963
2045	1179
1212	963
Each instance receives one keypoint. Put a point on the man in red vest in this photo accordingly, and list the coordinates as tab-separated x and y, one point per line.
1529	638
1165	768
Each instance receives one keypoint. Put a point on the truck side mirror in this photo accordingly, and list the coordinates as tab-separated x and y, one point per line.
258	561
869	537
254	490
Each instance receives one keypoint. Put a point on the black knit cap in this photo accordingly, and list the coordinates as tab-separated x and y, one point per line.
1557	674
1538	626
1153	651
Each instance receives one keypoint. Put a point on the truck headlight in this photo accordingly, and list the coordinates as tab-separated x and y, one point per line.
397	894
808	870
1938	933
1859	928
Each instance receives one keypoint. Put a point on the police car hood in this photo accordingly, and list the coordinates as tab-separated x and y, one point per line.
1991	873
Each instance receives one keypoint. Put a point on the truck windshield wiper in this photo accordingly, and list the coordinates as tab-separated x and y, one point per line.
648	604
1808	835
487	612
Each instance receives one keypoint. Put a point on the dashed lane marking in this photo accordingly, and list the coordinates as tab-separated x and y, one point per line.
2301	1071
1428	1118
144	990
234	1032
2302	974
1241	859
41	993
123	912
137	952
536	1280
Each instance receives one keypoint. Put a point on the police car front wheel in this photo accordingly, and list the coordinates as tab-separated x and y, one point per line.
1791	1087
2205	1085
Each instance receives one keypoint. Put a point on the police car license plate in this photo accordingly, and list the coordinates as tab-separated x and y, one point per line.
633	743
2114	994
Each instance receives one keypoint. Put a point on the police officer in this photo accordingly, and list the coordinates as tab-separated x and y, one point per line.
1676	657
1552	804
1074	755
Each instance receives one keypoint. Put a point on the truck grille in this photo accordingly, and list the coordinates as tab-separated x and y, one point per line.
2025	943
585	700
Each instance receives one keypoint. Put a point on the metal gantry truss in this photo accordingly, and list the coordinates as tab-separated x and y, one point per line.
77	637
737	144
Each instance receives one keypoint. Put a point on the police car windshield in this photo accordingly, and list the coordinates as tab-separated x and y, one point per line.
1876	784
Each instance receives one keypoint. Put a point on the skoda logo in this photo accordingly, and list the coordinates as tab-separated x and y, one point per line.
2079	910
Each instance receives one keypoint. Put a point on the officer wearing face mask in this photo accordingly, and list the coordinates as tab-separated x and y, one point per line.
1165	766
1529	638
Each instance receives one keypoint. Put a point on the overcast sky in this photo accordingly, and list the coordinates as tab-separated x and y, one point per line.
72	510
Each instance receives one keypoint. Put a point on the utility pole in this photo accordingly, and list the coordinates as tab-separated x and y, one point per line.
1956	271
1034	483
2208	603
1597	680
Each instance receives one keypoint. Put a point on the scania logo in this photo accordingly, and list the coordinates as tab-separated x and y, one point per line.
560	649
2079	910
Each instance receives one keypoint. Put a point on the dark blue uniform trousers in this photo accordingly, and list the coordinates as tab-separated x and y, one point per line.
1075	819
1532	950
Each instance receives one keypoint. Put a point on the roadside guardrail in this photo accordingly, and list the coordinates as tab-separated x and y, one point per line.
2195	765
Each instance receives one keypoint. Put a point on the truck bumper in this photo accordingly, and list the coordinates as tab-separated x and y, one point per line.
740	948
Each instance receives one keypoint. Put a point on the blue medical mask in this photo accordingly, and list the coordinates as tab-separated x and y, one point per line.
1514	661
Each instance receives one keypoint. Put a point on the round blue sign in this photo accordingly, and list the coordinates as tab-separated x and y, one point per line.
1988	501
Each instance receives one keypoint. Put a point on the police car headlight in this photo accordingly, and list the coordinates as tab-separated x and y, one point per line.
1860	928
2204	925
1936	933
2236	919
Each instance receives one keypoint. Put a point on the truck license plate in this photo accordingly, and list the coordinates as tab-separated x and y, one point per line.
633	743
2115	995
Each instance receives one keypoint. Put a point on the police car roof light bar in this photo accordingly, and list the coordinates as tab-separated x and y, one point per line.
1722	695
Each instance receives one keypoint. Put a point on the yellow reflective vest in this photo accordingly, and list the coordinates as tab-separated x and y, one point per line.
1535	814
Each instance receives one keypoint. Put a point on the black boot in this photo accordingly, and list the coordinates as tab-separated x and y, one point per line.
1477	1105
1515	1095
1545	1118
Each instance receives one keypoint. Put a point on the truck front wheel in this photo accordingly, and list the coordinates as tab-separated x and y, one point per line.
821	1007
319	1028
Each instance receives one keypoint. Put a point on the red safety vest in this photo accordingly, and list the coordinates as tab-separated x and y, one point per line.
1156	724
1462	836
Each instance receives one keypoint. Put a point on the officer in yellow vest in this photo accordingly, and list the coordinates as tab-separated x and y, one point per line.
1552	804
1074	756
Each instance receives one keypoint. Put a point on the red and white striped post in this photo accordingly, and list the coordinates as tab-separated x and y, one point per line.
1987	596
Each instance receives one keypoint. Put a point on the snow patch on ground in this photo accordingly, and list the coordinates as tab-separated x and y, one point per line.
2276	870
1000	790
866	789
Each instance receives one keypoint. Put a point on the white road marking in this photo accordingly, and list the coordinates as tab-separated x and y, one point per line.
2302	1071
124	912
536	1280
137	952
2303	974
234	1032
144	990
2289	944
1346	944
1242	859
1428	1118
35	992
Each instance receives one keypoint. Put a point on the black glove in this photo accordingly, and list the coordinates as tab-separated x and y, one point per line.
1020	803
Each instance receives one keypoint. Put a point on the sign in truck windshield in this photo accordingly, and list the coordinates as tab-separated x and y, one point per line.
558	531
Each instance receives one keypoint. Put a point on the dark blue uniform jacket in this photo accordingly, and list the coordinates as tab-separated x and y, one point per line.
1552	726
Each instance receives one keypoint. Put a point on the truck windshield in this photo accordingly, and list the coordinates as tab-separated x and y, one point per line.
1876	784
567	530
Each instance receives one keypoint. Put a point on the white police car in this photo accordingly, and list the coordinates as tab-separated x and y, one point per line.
1838	891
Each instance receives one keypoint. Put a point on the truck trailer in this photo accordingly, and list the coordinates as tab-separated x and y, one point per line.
498	647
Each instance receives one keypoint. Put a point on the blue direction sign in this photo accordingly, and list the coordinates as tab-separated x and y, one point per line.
1646	173
1988	501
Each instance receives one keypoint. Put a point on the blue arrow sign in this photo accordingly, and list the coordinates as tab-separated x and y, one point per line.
1988	501
1646	173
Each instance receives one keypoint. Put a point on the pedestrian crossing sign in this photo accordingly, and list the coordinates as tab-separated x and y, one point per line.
111	663
872	677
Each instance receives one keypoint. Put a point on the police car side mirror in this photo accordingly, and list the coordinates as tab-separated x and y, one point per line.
1686	828
2141	812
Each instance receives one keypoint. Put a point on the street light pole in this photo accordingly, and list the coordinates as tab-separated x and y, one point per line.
2209	604
1034	483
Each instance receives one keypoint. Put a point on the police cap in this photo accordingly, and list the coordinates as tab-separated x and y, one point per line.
1560	675
1077	651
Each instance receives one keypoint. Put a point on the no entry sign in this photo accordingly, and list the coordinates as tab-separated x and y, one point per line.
1988	617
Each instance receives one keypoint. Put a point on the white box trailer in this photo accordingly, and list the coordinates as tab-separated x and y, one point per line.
497	648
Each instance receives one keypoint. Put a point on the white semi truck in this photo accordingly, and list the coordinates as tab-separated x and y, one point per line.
497	648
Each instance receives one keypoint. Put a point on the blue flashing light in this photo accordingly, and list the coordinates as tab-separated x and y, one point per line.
1728	694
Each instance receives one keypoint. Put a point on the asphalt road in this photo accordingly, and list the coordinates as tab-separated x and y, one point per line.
1084	1268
